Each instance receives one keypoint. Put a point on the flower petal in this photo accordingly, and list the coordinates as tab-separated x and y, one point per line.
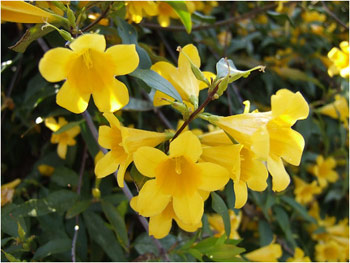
89	41
52	124
112	119
213	176
111	97
189	208
215	138
147	159
56	63
125	58
241	193
106	165
105	138
208	75
62	150
72	99
121	171
160	225
187	144
191	51
187	227
280	178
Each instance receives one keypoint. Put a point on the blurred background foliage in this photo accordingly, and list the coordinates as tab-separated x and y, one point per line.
302	45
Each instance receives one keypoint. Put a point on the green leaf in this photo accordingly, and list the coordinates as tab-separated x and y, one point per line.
224	252
55	246
280	17
197	254
89	140
283	221
78	208
156	81
138	178
230	195
298	208
220	207
64	176
180	9
138	105
226	68
10	257
265	233
203	18
69	126
103	236
205	244
117	222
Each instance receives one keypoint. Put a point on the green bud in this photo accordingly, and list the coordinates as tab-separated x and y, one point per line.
20	231
71	17
60	5
96	193
66	35
194	101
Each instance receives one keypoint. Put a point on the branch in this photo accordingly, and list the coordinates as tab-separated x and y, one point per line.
97	20
329	12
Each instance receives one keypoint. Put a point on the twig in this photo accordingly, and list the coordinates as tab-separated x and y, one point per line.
125	189
97	19
76	227
167	46
329	12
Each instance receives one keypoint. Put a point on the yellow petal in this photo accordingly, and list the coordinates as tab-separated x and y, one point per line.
241	193
187	144
56	63
160	225
124	57
208	75
62	150
215	138
213	176
105	138
253	171
269	253
89	41
191	51
151	201
72	99
161	99
112	119
187	227
73	131
51	124
280	178
12	184
111	97
289	106
147	159
121	171
189	208
106	165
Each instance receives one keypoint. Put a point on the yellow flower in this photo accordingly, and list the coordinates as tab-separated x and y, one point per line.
330	251
7	191
123	142
22	12
269	134
165	12
305	192
136	10
217	224
340	59
103	21
182	77
177	178
323	170
298	256
46	170
50	5
204	6
269	253
89	69
224	38
313	16
63	139
339	109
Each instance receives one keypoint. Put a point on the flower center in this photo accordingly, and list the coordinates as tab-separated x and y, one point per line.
87	59
178	165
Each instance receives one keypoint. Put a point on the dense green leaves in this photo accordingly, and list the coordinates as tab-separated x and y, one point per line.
220	207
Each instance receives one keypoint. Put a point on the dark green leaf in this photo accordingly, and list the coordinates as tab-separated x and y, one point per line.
69	126
197	254
138	105
64	176
283	221
9	220
265	233
298	208
53	247
220	207
138	178
230	195
180	9
224	252
10	257
89	140
279	17
77	208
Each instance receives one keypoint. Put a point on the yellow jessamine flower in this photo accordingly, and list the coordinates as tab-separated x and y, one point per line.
137	10
340	59
313	16
122	142
269	253
269	134
324	170
89	69
8	190
165	12
339	109
305	192
177	178
182	77
329	251
298	256
217	224
22	12
63	139
46	170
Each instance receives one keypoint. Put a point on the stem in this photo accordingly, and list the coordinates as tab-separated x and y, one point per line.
197	111
329	12
97	20
125	189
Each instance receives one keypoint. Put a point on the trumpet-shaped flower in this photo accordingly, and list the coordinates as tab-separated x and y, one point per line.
324	170
165	12
182	77
216	223
339	109
269	134
63	139
8	190
136	10
46	170
90	70
176	178
329	251
305	192
298	256
122	142
22	12
269	253
340	59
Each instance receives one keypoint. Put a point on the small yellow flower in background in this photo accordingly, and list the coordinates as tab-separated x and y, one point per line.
339	109
269	134
46	170
8	190
204	6
98	157
298	256
176	178
90	70
313	16
324	170
63	139
182	77
269	253
340	59
224	38
165	12
103	21
122	142
217	224
329	252
137	10
22	12
304	192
